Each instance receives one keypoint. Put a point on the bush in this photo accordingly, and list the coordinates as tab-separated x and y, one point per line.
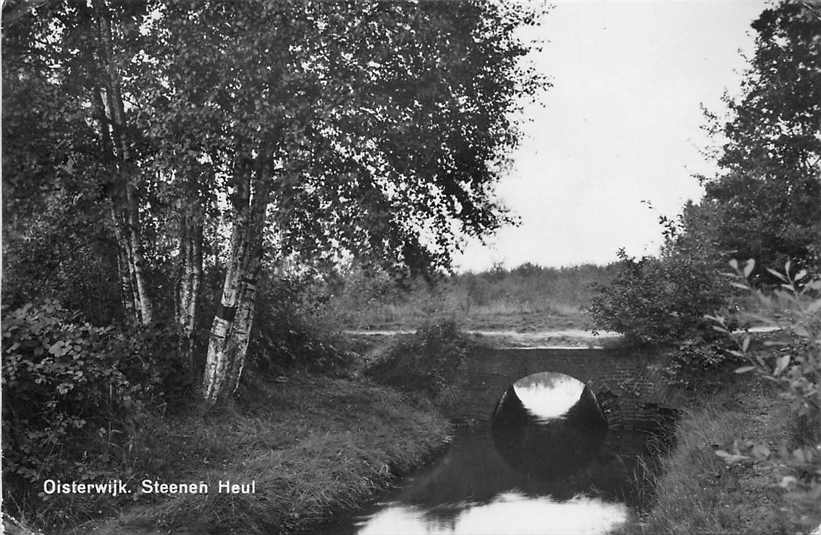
794	363
290	331
657	300
428	362
700	366
73	395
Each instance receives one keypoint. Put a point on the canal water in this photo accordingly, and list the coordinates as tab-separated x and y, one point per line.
546	464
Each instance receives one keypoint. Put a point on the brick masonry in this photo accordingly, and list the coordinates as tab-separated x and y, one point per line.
627	383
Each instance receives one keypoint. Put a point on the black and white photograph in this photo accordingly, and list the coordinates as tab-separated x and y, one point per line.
411	267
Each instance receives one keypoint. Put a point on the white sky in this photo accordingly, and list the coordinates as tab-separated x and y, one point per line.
620	125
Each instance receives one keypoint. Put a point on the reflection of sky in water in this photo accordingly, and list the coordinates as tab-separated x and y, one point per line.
548	395
510	513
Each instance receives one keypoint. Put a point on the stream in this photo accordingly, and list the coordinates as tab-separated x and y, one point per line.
547	463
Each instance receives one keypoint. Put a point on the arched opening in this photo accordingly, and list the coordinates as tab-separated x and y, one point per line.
548	425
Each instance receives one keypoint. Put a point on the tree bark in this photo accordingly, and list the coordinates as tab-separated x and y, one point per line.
127	297
190	276
231	328
124	193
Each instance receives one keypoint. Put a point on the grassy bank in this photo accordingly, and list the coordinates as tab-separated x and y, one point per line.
313	445
699	493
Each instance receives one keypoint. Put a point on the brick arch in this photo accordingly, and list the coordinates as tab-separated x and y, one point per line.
627	383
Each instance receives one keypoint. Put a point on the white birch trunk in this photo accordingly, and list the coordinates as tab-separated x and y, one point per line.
125	199
190	277
231	329
146	308
126	292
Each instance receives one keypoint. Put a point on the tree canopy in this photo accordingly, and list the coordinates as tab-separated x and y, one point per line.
768	189
168	143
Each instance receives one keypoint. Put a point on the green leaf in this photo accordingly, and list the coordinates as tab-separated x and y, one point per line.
745	369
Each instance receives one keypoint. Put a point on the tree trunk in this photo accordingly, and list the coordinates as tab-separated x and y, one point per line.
231	328
137	263
190	276
124	192
127	297
114	190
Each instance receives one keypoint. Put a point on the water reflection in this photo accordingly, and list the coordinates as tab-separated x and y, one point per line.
509	512
548	425
547	395
540	469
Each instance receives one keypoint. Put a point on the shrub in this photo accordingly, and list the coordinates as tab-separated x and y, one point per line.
427	362
657	300
290	331
73	395
698	365
795	365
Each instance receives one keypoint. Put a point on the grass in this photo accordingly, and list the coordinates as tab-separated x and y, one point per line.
527	298
313	445
697	493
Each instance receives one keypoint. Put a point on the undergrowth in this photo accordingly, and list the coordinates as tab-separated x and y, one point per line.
427	362
696	492
313	445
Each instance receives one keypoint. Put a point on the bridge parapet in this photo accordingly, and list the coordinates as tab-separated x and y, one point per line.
628	384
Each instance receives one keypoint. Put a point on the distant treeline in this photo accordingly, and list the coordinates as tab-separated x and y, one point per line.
528	296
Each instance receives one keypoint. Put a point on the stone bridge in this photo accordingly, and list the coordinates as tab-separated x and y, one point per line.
627	383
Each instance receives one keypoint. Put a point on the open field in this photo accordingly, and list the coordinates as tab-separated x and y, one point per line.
525	299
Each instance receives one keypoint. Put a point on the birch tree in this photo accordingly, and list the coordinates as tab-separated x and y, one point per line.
372	129
87	50
99	112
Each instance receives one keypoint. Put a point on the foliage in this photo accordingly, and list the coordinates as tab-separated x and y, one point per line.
764	203
346	122
794	364
767	191
697	492
62	186
291	331
657	300
699	365
525	297
375	130
315	445
429	361
73	395
62	253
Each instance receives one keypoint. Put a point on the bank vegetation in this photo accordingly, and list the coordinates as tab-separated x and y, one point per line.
748	254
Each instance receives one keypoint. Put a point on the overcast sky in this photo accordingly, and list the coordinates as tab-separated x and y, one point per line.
621	124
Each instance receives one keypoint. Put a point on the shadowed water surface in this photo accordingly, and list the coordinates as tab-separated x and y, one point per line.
546	465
